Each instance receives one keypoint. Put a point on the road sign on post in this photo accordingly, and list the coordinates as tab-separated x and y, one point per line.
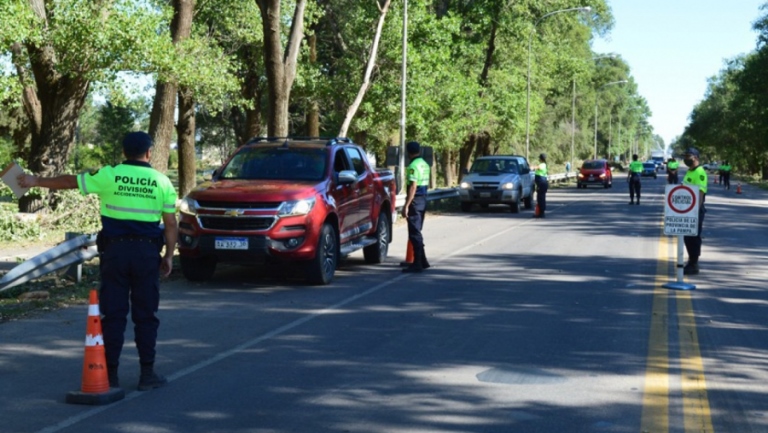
681	218
681	211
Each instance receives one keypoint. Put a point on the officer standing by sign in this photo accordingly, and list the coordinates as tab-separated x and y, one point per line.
725	169
134	199
697	176
672	166
415	208
633	178
542	185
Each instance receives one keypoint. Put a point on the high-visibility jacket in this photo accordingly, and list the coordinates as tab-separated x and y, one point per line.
133	198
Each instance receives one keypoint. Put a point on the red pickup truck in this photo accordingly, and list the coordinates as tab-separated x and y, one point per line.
309	201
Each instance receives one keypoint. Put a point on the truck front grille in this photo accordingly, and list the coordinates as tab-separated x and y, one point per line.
238	205
236	224
486	186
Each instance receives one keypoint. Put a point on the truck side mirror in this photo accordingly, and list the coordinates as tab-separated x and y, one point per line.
347	177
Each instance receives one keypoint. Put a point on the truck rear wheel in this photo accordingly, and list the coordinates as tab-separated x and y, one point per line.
197	268
321	269
376	253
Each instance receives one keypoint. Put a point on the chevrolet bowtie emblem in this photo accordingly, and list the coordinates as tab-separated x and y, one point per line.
233	212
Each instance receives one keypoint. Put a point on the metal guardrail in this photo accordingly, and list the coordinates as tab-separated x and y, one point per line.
445	193
72	252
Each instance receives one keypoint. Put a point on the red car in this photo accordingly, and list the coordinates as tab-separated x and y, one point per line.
595	172
303	201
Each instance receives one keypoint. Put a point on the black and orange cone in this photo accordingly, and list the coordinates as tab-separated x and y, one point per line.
738	188
408	255
537	210
95	388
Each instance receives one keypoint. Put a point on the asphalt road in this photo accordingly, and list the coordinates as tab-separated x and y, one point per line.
522	325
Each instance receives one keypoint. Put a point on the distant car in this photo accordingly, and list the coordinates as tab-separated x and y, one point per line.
649	169
595	172
711	166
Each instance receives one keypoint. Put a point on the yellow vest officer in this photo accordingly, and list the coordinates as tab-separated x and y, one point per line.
697	176
135	198
415	208
635	169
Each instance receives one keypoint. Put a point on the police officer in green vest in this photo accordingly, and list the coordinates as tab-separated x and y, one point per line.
135	198
540	178
417	182
697	176
725	169
633	178
672	176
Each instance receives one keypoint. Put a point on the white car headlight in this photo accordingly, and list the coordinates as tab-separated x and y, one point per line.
296	207
188	206
508	185
465	185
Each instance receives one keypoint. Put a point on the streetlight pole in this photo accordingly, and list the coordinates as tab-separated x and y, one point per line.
528	92
401	166
596	94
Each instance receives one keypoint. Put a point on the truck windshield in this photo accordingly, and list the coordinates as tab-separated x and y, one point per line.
494	166
276	163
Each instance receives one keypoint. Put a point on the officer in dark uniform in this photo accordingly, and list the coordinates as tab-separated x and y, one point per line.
415	208
633	178
542	185
695	176
134	199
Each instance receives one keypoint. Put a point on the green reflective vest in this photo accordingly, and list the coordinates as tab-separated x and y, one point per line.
418	173
636	167
541	170
130	192
673	165
697	177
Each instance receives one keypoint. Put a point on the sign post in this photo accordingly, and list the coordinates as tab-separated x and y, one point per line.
681	218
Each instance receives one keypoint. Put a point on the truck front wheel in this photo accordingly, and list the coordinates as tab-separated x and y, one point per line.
466	206
321	269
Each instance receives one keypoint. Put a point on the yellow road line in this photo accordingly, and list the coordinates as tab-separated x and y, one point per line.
697	416
696	411
655	418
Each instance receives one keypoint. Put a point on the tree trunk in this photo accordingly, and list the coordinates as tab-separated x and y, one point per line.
281	71
161	124
368	70
161	119
313	109
52	104
465	154
447	165
185	131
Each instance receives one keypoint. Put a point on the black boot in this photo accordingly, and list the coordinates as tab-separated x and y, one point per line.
149	379
114	382
424	262
692	267
416	266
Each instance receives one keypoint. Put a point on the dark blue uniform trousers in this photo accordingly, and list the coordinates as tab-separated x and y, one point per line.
416	213
130	281
542	185
693	243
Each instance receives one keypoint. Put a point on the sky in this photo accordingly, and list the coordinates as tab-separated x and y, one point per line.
674	46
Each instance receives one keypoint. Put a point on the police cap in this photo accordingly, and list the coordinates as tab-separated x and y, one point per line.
412	147
692	151
136	143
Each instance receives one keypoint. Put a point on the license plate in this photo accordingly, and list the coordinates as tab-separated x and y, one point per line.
231	243
485	194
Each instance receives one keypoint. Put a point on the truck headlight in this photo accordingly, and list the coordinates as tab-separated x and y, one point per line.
296	207
188	206
465	185
508	185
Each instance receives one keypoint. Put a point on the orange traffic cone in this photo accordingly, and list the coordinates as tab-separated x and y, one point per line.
714	179
95	388
537	211
408	255
738	188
